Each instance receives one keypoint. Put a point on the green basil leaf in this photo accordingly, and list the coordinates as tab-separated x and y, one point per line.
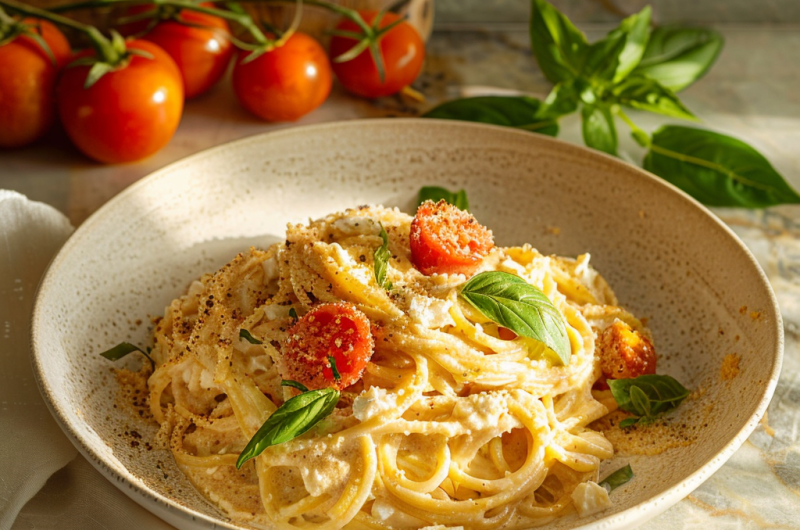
559	47
715	169
293	314
616	479
294	384
295	417
676	56
436	194
515	304
602	58
336	375
648	94
511	111
647	396
562	99
244	334
599	131
628	422
124	348
381	260
637	32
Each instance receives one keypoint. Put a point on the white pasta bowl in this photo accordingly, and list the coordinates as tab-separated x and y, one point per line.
668	259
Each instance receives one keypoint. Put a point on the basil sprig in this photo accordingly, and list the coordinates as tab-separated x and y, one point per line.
640	68
519	306
124	348
618	478
436	194
647	397
336	375
295	417
381	261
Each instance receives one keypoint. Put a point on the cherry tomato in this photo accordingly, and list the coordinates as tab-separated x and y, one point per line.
445	239
127	115
329	330
27	85
199	47
625	353
402	50
285	83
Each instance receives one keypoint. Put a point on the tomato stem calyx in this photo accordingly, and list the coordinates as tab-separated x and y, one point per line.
11	28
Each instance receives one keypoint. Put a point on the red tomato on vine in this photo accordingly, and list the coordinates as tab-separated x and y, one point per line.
285	83
196	41
401	48
129	113
27	83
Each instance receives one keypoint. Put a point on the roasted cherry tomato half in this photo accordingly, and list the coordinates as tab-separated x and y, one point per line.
129	113
286	83
329	331
625	353
197	42
447	240
27	84
402	49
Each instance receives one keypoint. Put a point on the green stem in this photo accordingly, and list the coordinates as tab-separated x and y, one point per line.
101	44
242	19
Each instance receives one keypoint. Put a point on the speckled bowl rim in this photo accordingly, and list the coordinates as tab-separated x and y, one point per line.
169	510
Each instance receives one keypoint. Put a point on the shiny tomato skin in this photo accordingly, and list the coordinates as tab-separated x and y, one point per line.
337	330
402	49
199	48
286	83
446	240
130	113
27	85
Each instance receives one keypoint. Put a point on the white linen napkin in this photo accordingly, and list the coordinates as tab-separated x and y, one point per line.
36	489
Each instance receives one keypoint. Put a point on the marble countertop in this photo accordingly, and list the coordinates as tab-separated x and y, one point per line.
752	92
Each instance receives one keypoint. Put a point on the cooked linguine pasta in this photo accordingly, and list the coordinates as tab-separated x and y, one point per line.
452	423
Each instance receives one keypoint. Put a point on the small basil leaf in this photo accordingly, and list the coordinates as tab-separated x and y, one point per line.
124	348
602	57
436	194
648	94
515	304
562	99
559	47
628	422
676	57
295	417
511	111
336	375
599	131
715	169
381	260
647	396
294	384
293	314
618	478
244	334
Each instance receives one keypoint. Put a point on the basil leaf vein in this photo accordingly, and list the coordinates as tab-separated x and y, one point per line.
616	479
381	260
436	194
515	304
295	417
124	348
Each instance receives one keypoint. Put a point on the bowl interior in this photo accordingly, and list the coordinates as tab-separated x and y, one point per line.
666	257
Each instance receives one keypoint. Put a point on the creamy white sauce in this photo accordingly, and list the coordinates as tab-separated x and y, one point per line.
430	312
373	402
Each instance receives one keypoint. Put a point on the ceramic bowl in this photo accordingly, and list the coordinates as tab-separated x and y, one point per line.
669	260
